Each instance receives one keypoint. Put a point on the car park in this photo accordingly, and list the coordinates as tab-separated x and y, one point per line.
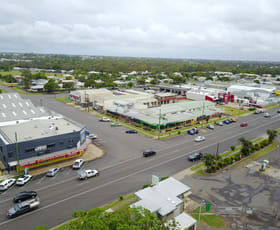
4	185
195	156
53	171
23	180
243	124
115	124
23	196
23	207
131	131
149	152
210	127
193	131
92	136
85	174
266	115
220	123
199	139
105	119
78	164
227	122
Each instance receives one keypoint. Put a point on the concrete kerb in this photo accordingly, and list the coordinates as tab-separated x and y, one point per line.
92	153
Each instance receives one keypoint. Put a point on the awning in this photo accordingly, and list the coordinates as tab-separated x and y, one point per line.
13	163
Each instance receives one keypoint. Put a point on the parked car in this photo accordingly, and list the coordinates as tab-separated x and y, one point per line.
243	124
199	139
78	164
23	180
23	196
210	126
266	115
257	111
4	185
131	131
92	136
195	156
227	122
193	131
105	119
85	174
278	111
115	124
23	207
149	152
220	123
53	171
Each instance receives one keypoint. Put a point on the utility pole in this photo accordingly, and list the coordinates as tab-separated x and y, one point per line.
202	203
159	118
218	145
18	166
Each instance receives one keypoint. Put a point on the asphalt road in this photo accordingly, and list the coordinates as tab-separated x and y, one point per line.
122	170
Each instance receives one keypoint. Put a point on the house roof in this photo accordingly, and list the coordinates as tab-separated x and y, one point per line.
163	197
184	221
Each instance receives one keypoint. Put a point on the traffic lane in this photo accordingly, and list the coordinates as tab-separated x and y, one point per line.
161	164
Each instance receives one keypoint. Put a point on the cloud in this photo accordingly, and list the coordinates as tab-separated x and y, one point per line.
216	29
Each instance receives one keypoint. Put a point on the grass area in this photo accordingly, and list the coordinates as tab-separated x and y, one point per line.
195	167
272	106
64	100
115	204
208	218
4	73
233	111
201	172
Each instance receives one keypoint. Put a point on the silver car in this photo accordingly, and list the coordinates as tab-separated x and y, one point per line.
53	171
199	139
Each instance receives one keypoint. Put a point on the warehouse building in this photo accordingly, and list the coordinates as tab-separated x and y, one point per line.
34	131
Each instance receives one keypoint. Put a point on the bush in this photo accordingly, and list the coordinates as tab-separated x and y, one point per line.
264	143
179	132
146	186
236	156
164	178
257	146
232	148
252	109
121	197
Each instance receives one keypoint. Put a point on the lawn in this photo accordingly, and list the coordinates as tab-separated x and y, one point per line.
233	111
272	106
64	100
208	218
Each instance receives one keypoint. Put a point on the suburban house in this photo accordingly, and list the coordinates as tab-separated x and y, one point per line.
167	199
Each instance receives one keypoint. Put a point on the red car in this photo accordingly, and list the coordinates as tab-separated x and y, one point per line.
244	124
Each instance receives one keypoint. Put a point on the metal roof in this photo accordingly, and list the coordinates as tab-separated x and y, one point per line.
13	107
163	197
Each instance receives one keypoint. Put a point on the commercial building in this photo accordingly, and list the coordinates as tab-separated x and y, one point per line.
166	115
27	131
167	199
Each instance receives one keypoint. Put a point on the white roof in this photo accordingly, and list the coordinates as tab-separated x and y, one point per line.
162	198
184	221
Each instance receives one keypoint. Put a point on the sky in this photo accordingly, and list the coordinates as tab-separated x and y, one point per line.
200	29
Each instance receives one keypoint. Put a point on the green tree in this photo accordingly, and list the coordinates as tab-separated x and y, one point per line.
141	81
247	146
130	84
272	134
51	86
68	85
27	79
122	219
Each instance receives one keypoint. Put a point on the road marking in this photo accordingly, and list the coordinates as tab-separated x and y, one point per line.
41	180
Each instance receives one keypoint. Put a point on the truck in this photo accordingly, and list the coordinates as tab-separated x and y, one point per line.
85	174
23	207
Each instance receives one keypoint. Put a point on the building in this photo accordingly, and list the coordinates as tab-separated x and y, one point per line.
167	115
34	131
167	200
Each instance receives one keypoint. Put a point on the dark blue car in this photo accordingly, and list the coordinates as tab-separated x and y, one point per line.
227	122
193	131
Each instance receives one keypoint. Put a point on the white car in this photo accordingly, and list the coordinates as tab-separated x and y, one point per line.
53	171
23	179
84	174
199	138
266	115
92	136
4	185
78	164
105	119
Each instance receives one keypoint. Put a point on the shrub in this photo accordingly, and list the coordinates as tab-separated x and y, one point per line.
220	164
121	197
232	148
146	186
257	146
179	132
252	109
236	156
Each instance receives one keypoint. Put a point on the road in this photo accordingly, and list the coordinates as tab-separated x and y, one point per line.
123	170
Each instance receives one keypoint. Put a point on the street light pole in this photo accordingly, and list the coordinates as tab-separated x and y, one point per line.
202	203
18	167
159	123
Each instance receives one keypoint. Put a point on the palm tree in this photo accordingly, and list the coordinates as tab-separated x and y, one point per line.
246	146
271	135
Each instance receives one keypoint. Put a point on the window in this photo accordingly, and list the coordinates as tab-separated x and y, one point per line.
50	145
10	154
29	150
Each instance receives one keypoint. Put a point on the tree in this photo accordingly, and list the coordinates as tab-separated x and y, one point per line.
271	135
51	86
1	91
247	146
130	84
27	78
68	85
141	81
122	219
